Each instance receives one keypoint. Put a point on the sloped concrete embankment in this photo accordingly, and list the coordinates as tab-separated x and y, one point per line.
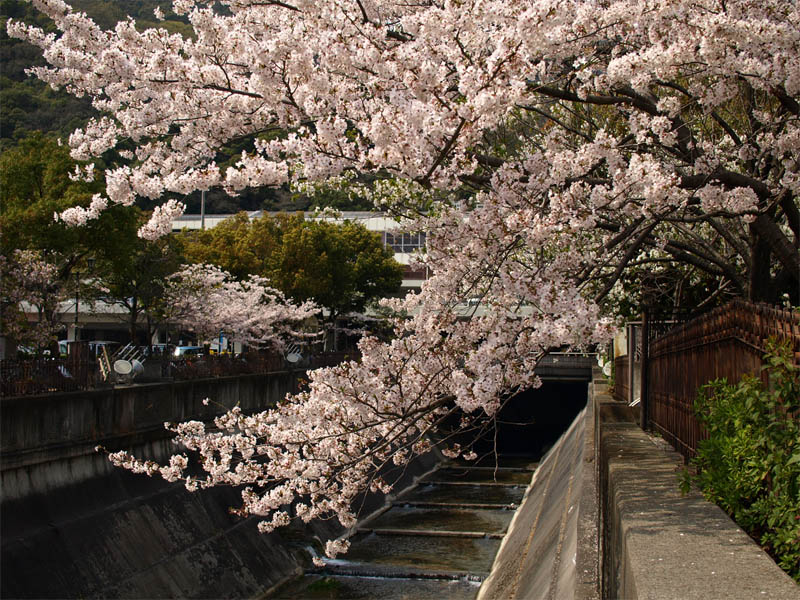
129	536
551	549
75	527
604	517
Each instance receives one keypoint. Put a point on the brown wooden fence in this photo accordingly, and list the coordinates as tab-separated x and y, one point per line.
727	342
622	389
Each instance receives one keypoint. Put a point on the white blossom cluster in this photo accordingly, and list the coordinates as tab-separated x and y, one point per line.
207	300
27	278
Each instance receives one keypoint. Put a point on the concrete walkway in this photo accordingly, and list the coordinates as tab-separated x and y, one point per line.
604	518
662	545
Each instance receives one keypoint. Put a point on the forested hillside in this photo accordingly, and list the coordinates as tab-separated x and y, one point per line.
28	105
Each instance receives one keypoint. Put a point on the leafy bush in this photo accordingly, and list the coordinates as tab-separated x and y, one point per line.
750	463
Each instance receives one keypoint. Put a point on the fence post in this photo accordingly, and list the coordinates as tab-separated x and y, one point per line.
631	363
645	360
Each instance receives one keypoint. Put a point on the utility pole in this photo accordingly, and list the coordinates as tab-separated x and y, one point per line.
203	210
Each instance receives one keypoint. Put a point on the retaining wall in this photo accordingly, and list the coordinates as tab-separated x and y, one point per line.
73	526
552	546
49	441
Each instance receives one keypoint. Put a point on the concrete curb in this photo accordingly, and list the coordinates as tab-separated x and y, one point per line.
661	545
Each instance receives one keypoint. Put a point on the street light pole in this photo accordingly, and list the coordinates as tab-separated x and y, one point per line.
77	301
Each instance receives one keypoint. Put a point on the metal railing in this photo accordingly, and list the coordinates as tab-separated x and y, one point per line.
221	365
45	375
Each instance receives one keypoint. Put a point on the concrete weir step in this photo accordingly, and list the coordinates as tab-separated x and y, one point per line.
463	494
444	557
443	519
507	461
319	586
407	554
474	505
434	533
482	475
436	540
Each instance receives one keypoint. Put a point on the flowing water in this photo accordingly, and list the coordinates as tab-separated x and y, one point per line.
437	540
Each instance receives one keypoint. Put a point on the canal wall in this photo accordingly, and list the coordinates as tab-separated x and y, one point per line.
603	517
48	441
73	526
552	546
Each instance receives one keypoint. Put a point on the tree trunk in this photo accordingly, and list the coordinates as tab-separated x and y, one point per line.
760	288
773	238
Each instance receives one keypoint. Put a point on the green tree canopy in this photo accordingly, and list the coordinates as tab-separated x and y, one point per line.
237	245
34	185
135	278
340	266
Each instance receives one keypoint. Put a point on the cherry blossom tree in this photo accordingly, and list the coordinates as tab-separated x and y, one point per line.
546	148
207	300
30	283
343	267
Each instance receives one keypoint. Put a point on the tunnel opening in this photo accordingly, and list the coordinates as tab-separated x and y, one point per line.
531	421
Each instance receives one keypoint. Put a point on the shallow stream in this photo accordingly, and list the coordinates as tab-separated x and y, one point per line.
437	540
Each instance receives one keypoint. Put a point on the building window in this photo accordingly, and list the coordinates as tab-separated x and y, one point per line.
404	242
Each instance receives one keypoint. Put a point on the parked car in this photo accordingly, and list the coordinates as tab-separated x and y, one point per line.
157	350
26	352
187	351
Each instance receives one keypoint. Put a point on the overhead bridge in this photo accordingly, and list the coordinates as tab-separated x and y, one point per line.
566	366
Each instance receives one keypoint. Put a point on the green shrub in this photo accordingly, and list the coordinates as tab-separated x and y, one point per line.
750	463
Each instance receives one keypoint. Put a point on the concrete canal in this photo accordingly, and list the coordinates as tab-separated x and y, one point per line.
439	538
436	540
74	527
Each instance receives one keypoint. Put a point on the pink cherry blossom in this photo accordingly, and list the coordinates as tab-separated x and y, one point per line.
29	283
208	300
